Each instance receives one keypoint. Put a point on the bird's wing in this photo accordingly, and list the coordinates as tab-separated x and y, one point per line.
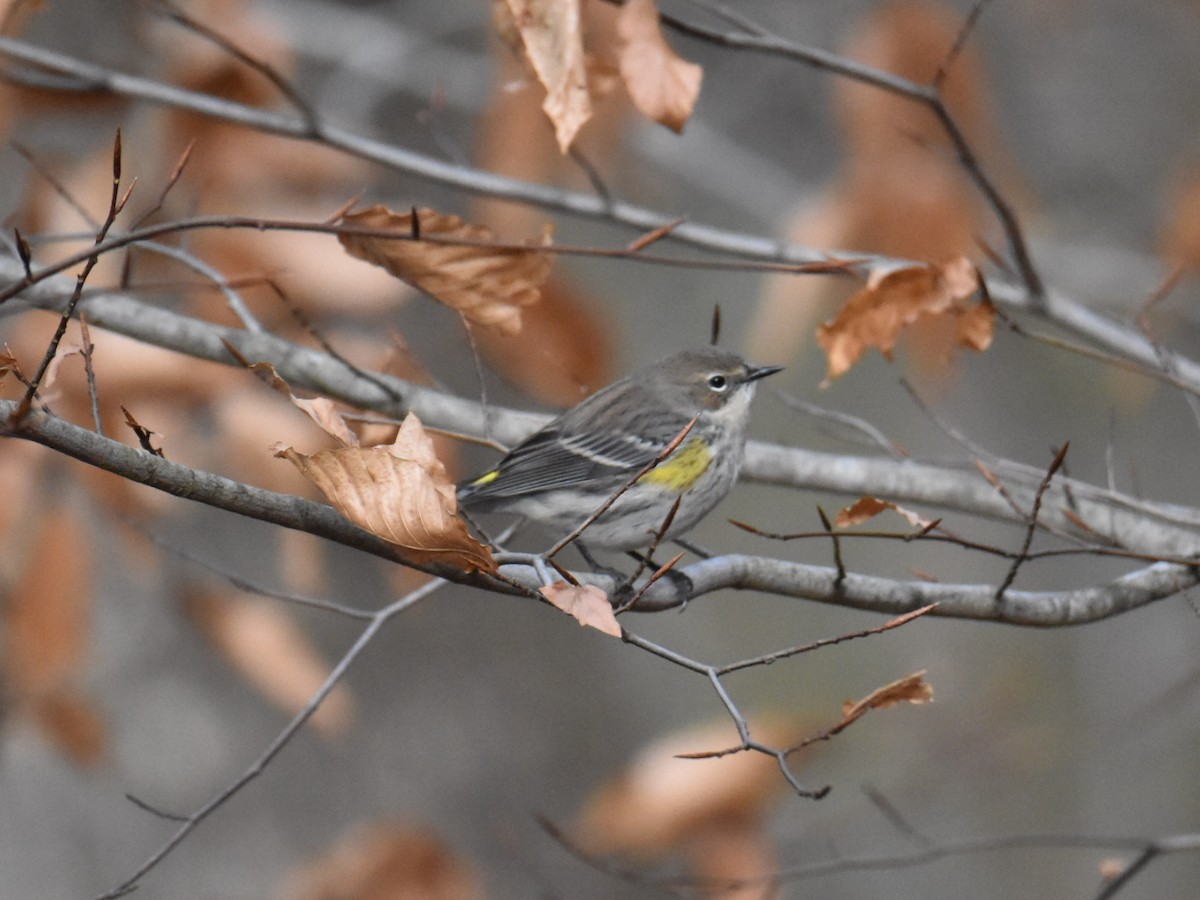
550	460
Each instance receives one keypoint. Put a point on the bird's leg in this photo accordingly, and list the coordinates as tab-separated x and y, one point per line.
683	584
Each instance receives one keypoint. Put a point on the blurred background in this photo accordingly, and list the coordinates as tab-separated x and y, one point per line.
473	714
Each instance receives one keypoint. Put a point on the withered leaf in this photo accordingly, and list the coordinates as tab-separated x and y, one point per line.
893	300
866	508
400	493
909	689
586	602
321	410
487	285
552	33
663	86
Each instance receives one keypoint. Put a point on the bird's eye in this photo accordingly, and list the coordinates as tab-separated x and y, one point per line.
718	382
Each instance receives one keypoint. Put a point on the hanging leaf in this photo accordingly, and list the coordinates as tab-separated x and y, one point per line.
586	602
893	300
552	34
487	285
663	86
321	410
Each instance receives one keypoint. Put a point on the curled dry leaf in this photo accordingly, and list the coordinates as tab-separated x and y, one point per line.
487	285
866	508
663	86
262	641
320	409
552	33
909	689
893	300
400	493
586	602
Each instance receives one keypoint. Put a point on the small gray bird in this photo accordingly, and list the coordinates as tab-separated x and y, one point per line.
563	473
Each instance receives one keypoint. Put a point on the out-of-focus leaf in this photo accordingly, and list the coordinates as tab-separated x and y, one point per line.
663	86
261	640
45	633
660	802
564	351
46	619
384	861
70	721
900	190
1180	241
487	285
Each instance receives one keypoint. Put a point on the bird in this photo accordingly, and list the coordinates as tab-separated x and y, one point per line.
563	473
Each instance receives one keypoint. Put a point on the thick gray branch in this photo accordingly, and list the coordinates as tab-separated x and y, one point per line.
1054	307
1157	529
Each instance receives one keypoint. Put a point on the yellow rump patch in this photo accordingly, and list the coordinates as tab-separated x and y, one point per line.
683	468
486	479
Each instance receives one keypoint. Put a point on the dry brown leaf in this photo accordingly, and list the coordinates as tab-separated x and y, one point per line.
736	855
384	861
866	508
69	721
552	33
586	602
46	618
261	640
487	285
909	689
895	299
321	410
45	635
899	191
400	493
1180	239
661	802
663	86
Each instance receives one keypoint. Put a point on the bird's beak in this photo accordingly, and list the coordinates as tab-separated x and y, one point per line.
753	373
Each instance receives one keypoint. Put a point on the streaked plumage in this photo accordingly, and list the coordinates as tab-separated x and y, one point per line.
565	471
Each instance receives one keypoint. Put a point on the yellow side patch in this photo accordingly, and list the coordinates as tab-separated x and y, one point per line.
486	479
683	468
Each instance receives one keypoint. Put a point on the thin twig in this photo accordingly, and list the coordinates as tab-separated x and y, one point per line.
837	547
114	206
93	395
1023	554
259	765
282	84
